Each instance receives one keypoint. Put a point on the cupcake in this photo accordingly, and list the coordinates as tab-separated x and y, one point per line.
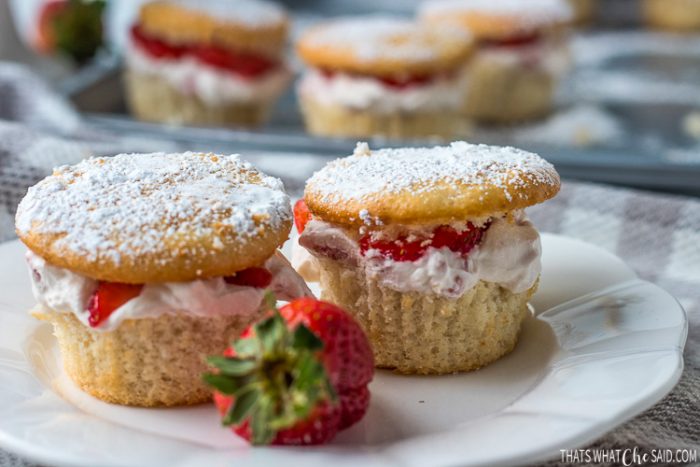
146	263
429	249
673	15
583	11
382	76
521	53
216	62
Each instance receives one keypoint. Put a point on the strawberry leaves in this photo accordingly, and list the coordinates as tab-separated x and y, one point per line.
275	377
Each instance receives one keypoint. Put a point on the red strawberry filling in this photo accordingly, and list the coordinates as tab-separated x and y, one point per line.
302	215
108	297
244	64
251	277
395	82
444	236
45	39
515	41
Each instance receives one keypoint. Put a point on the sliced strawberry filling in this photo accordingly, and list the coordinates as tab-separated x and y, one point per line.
251	277
110	296
444	236
515	41
244	64
396	82
302	215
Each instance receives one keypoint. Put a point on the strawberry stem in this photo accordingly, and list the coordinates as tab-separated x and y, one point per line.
276	377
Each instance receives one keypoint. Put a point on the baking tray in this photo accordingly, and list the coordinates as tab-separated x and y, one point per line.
628	114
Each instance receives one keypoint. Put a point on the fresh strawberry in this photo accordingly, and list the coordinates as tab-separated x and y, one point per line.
45	40
319	427
108	297
72	27
302	215
252	277
347	354
297	377
402	249
354	403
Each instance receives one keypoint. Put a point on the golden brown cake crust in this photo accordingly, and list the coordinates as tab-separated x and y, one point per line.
256	26
383	46
429	185
494	20
147	362
142	218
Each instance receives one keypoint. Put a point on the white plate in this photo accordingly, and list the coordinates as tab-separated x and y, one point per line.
607	347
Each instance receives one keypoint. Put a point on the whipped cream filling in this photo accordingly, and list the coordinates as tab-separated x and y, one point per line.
210	84
547	55
63	291
368	93
508	255
304	263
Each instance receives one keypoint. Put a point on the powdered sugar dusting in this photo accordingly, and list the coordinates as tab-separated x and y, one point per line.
364	175
531	13
135	204
254	13
378	37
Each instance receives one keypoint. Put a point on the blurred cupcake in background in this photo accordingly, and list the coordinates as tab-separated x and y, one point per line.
583	11
521	53
673	15
382	76
217	62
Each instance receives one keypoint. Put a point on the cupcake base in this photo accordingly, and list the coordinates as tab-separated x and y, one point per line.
414	333
674	15
583	11
501	92
152	98
338	121
146	362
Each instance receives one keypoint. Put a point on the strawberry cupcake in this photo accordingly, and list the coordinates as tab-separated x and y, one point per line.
217	62
429	249
583	11
672	15
382	76
521	53
146	263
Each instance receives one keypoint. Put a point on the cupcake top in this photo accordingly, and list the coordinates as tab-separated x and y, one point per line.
435	185
144	218
241	25
383	45
498	19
